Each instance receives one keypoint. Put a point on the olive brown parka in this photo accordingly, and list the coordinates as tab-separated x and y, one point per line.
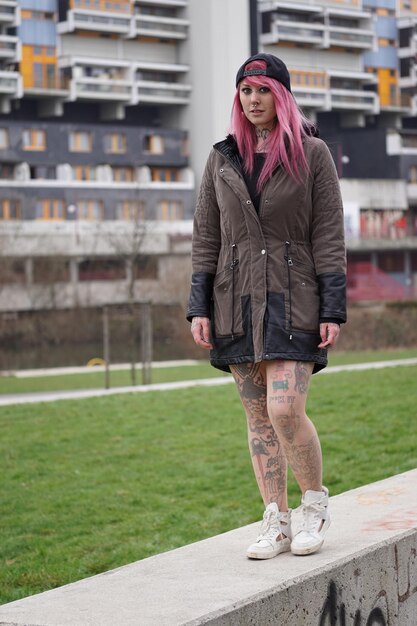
267	279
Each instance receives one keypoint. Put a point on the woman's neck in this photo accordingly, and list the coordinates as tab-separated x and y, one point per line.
262	135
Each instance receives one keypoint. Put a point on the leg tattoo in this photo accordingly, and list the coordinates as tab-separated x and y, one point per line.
294	429
268	459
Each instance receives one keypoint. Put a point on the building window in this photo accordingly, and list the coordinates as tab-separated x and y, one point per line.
33	139
50	270
391	262
12	271
115	143
169	210
123	174
165	174
146	266
130	210
80	141
84	172
412	174
10	210
50	209
154	144
90	210
4	138
6	171
44	75
101	269
43	172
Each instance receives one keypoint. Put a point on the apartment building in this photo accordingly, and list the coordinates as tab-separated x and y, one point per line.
108	109
92	98
352	65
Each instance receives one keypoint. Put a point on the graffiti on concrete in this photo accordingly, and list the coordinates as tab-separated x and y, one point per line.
334	612
409	569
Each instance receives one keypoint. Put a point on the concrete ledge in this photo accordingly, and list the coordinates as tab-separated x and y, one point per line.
366	574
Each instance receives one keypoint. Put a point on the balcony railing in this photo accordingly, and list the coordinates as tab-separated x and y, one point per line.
90	88
351	37
10	48
8	12
164	3
354	99
310	97
84	19
161	93
411	80
347	4
412	192
11	84
283	30
161	27
321	35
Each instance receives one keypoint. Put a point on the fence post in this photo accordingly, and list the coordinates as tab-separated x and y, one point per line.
146	342
106	346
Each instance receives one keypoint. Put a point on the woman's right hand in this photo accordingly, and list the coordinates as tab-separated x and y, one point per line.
200	330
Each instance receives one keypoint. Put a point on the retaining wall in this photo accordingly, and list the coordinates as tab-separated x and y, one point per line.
365	574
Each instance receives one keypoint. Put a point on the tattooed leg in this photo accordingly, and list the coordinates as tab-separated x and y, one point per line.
268	458
287	386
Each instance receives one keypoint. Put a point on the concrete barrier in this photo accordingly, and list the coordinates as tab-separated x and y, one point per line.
365	574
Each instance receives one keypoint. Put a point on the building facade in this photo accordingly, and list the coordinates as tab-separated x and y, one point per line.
108	109
92	142
353	70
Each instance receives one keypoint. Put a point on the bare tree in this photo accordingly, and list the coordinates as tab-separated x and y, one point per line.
127	242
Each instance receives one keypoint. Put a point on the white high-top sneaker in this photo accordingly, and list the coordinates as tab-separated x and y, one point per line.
316	521
275	534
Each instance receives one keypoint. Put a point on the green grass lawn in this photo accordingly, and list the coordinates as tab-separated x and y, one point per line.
88	485
119	378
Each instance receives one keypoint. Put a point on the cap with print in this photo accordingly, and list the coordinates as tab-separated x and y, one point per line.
274	68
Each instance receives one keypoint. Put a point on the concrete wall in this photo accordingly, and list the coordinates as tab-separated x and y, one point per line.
365	575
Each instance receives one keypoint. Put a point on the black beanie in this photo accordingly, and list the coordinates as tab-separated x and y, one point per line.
275	68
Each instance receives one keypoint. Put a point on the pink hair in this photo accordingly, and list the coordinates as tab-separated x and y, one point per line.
284	144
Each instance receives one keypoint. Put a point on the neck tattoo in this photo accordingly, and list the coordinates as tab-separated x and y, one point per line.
262	133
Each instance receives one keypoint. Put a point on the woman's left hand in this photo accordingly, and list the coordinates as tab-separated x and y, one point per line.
329	333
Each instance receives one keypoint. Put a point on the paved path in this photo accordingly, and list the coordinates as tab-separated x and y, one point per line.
52	396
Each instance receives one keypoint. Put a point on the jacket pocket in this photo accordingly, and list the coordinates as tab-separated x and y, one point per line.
303	295
227	308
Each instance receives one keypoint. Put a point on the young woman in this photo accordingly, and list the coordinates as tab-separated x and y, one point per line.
268	288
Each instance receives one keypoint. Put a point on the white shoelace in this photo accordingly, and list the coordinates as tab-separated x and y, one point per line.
270	527
312	516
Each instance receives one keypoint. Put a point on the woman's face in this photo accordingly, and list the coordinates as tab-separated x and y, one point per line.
258	105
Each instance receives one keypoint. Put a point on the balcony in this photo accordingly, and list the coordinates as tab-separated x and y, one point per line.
161	93
10	48
11	84
98	21
346	4
412	193
162	27
357	100
91	88
165	3
360	39
9	13
410	81
311	98
286	30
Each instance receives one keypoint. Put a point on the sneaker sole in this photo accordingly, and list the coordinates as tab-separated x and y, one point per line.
306	551
267	555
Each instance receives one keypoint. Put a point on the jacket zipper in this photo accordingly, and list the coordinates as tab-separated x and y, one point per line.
232	267
290	263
